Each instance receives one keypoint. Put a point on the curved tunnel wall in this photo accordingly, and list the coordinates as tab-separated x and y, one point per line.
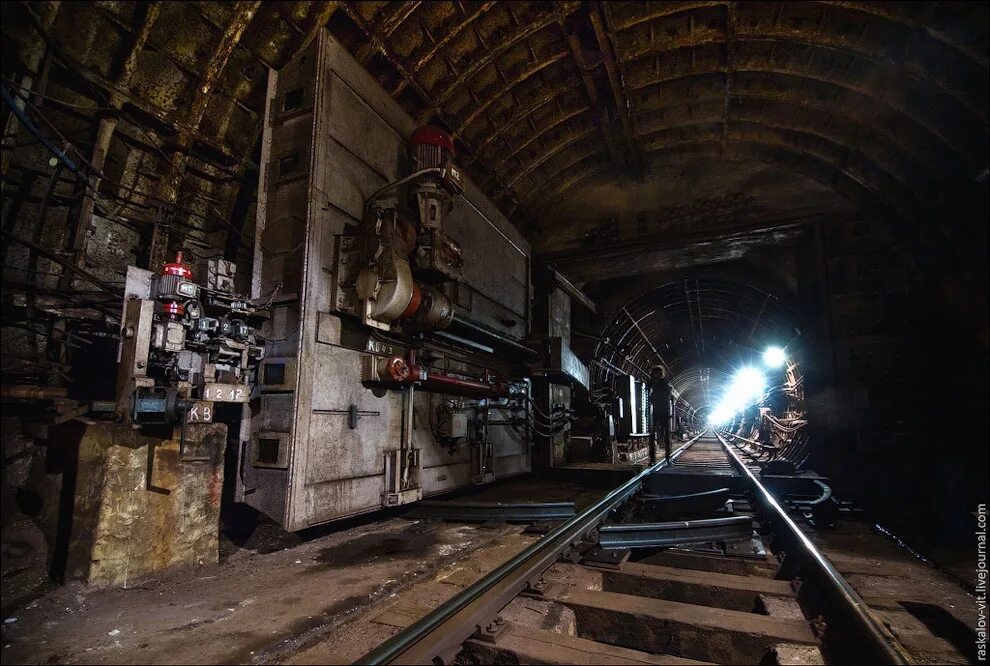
701	330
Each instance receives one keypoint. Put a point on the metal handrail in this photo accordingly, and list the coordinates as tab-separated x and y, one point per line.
888	647
445	628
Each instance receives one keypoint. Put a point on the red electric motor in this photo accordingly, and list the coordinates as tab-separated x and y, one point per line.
175	278
430	147
431	194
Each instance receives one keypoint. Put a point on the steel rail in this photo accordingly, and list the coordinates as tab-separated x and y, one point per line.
887	649
442	631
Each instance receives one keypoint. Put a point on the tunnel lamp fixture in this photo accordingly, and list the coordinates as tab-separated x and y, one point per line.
774	357
747	385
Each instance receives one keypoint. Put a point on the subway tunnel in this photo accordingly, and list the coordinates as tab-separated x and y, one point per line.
282	279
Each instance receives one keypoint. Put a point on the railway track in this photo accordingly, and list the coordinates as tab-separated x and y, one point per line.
691	561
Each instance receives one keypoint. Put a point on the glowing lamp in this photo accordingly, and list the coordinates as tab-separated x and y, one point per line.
774	357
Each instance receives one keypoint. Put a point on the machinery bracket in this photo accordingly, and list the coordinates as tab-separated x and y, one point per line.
401	478
402	497
751	548
536	588
353	414
606	559
492	631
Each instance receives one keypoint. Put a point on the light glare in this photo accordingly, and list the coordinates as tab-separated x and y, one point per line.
774	357
747	385
720	416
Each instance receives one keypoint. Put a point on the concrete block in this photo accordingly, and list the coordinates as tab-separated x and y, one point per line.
141	505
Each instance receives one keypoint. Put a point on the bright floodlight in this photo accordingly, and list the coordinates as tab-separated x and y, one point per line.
720	416
774	357
747	385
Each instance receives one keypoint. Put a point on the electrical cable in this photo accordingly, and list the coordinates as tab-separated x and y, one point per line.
543	422
554	422
22	117
45	141
64	263
99	197
551	426
403	181
99	87
537	409
543	433
62	102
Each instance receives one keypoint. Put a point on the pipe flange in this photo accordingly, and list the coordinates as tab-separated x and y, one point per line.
393	369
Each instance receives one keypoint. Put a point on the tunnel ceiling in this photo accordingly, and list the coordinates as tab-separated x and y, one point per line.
829	104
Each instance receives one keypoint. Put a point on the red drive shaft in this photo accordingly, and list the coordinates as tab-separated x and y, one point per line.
397	371
440	383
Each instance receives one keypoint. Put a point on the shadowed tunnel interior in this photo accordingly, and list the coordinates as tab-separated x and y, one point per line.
716	177
700	331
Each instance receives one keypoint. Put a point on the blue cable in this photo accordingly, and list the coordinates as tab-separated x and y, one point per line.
60	154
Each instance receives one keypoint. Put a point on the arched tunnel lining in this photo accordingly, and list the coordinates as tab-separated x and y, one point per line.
667	326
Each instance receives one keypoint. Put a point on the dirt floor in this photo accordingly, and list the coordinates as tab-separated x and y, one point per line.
274	596
351	641
255	607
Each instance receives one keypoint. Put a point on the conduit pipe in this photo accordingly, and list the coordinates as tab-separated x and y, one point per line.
397	370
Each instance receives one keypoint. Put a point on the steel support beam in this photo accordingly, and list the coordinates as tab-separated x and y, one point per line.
450	35
584	70
104	136
387	26
606	37
239	20
573	290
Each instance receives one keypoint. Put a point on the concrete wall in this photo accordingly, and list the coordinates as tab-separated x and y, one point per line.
904	421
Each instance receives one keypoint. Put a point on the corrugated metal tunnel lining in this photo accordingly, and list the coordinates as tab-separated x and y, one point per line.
700	330
880	108
880	102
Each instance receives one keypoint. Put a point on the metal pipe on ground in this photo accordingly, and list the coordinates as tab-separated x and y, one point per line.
517	512
28	392
705	502
661	535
